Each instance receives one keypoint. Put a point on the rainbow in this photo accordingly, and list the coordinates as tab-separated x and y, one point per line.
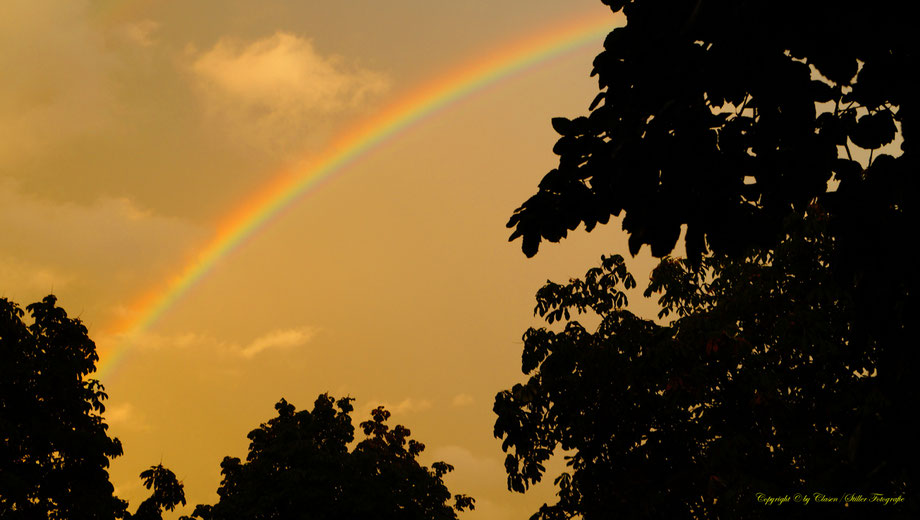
287	187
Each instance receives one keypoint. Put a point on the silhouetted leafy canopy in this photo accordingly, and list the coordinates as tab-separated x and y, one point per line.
54	449
726	116
299	467
759	386
759	125
54	446
166	493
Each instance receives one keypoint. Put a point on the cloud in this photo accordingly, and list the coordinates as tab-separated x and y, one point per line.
147	340
406	406
278	339
32	278
41	232
462	400
284	73
274	89
93	256
125	416
410	405
140	33
209	358
57	77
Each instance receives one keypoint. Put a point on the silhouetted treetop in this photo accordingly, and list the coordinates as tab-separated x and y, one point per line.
299	467
727	116
166	493
54	445
54	449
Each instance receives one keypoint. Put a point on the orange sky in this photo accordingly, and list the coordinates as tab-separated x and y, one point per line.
129	129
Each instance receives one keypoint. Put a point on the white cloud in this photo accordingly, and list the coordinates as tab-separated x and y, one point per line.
272	91
284	73
410	405
462	400
278	339
128	487
147	340
406	406
125	416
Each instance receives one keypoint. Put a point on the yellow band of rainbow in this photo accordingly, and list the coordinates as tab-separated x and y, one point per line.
285	188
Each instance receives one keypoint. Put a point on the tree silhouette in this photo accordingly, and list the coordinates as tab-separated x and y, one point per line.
758	126
727	115
166	493
55	450
750	390
299	467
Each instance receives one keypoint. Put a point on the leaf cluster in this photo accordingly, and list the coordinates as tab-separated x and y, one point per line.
727	116
54	446
299	467
758	385
167	492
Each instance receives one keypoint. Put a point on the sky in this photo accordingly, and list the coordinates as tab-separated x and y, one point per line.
133	133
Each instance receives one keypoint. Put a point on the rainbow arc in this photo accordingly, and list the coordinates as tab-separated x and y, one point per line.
288	186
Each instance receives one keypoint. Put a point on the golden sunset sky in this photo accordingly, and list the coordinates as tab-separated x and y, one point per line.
129	131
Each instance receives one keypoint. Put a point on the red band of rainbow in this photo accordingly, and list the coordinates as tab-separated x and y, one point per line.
284	189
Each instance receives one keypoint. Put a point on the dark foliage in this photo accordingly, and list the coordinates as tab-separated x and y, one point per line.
54	446
754	388
54	449
696	96
735	119
167	493
299	467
